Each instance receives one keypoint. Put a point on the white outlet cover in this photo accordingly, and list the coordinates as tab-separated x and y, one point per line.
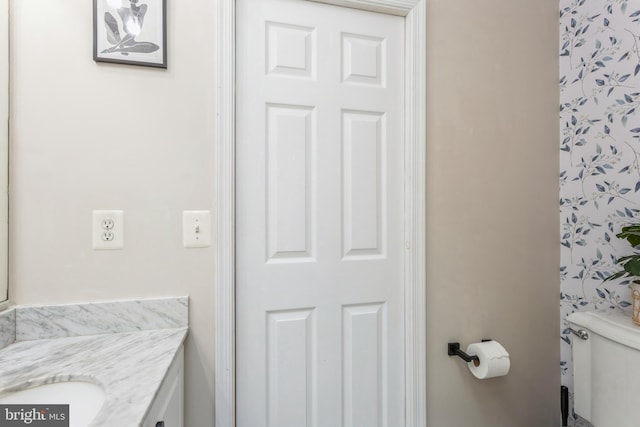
196	229
107	221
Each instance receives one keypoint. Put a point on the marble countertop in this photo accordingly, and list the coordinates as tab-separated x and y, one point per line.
129	366
124	347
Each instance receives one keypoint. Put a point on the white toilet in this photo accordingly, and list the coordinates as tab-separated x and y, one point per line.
606	368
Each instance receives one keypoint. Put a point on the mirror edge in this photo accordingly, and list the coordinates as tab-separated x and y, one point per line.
4	152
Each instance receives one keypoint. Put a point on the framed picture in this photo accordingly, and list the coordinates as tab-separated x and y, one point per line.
130	32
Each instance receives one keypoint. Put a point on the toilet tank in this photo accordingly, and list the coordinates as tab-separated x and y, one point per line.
606	369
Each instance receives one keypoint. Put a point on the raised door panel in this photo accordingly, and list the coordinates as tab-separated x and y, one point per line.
291	369
290	182
364	183
364	372
290	50
363	59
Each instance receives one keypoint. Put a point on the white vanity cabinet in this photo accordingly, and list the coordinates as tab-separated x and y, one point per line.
167	410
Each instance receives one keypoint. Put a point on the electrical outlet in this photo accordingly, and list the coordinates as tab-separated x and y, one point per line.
108	223
108	230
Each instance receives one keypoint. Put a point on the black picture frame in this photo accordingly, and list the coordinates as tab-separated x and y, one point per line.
130	32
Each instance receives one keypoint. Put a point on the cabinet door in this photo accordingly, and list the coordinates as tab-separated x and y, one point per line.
168	408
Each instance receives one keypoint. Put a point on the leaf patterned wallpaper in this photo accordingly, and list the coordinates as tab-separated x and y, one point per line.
599	154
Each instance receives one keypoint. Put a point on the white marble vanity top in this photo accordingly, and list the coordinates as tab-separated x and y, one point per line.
130	366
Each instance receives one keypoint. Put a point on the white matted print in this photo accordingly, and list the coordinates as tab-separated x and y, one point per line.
130	32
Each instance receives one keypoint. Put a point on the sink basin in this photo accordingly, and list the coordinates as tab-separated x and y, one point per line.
84	399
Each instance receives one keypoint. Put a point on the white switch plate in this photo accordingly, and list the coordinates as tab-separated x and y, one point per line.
196	229
108	230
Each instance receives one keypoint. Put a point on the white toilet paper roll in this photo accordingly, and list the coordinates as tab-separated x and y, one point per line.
494	359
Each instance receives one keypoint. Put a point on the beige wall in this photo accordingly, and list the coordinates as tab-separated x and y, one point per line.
89	136
492	206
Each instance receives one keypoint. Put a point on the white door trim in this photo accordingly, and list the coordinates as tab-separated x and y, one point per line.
415	208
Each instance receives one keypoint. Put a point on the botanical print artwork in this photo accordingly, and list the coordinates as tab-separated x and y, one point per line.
131	21
599	155
130	31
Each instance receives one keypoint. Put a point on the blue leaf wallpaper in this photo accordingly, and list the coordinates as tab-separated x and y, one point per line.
599	155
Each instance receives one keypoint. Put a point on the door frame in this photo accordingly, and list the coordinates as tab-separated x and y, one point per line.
414	12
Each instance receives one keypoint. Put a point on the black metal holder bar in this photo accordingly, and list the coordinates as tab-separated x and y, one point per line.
453	349
564	405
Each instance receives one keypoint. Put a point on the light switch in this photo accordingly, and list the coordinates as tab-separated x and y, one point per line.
196	229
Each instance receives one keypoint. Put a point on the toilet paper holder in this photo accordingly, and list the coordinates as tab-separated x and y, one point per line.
453	349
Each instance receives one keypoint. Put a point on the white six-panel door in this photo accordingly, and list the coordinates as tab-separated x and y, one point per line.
320	197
